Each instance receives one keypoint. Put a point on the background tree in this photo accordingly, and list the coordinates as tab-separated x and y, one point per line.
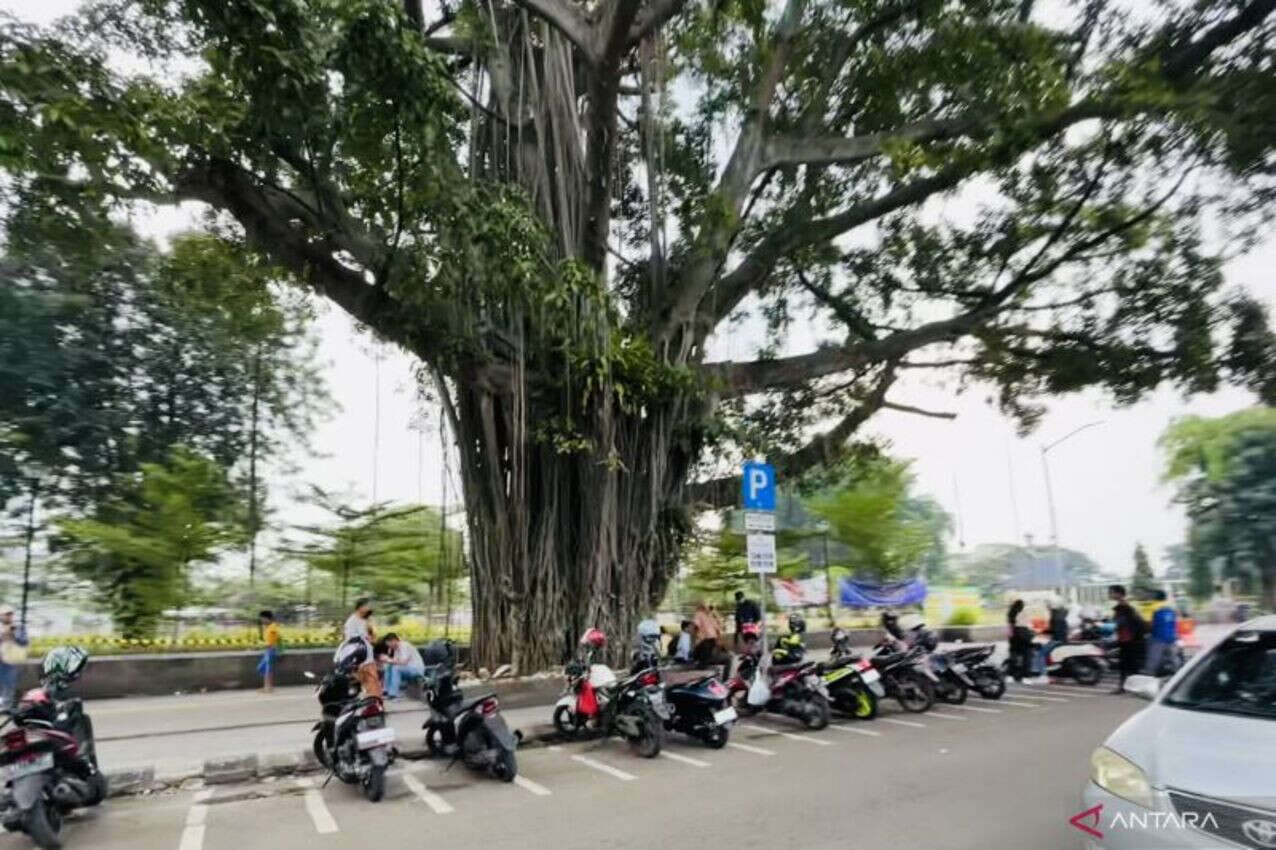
1225	469
556	206
1143	583
167	519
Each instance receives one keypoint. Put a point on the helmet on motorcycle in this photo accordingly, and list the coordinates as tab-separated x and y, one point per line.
593	638
797	624
751	630
839	635
351	655
911	623
64	662
649	631
889	618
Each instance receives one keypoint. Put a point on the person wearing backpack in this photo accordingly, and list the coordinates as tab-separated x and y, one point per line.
1131	635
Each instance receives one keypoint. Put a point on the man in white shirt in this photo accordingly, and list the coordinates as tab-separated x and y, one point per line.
403	665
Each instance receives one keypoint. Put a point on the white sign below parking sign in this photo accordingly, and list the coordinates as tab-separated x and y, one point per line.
761	550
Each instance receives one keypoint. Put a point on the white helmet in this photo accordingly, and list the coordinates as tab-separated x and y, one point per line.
649	631
911	622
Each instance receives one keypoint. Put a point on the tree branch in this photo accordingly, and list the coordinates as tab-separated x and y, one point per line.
918	411
836	150
568	19
651	18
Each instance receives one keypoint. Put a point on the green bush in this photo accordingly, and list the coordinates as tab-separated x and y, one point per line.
963	617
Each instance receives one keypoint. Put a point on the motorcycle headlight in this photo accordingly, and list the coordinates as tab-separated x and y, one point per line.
1121	777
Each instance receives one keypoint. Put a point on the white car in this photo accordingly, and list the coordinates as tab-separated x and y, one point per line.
1197	767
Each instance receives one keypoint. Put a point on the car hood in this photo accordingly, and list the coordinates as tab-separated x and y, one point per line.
1215	755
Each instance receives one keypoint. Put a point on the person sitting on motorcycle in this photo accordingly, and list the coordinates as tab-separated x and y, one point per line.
1057	630
894	639
790	649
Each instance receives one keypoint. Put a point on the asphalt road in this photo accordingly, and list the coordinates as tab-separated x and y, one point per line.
990	774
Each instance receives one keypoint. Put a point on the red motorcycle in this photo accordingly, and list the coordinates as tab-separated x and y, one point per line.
796	690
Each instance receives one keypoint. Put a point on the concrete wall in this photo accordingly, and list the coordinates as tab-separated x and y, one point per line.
158	675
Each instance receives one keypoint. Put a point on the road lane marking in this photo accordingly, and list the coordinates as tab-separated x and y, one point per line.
749	748
193	834
1016	704
902	722
1036	696
317	809
791	736
528	785
425	795
604	768
1073	689
945	716
869	732
977	708
684	759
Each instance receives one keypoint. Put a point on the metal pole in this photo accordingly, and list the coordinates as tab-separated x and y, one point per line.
1054	522
1014	497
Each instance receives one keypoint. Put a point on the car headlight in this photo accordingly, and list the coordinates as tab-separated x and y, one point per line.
1118	775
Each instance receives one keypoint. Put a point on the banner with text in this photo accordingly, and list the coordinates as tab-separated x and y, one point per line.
800	592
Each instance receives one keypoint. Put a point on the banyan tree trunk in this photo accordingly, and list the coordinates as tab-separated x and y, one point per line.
565	541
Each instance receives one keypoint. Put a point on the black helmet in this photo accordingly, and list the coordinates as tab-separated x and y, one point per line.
797	624
351	655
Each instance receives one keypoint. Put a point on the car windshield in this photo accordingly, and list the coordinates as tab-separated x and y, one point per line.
1238	677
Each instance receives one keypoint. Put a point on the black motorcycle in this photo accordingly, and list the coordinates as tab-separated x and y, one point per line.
48	758
352	740
471	729
698	707
905	677
952	679
987	678
854	685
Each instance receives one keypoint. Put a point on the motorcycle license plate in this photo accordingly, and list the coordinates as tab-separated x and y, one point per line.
25	768
726	715
870	676
375	738
959	668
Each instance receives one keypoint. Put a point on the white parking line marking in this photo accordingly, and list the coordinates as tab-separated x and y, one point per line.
605	768
902	722
807	738
977	708
425	795
528	785
749	748
193	834
945	716
1075	689
1016	704
317	809
869	732
684	759
1036	696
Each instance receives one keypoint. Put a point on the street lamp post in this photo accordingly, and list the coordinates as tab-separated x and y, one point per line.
1045	467
823	528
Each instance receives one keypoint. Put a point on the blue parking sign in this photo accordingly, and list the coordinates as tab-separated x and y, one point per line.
758	486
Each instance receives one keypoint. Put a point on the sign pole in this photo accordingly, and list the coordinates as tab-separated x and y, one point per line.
757	487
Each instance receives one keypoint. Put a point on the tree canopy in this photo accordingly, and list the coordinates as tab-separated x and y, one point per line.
561	208
1225	472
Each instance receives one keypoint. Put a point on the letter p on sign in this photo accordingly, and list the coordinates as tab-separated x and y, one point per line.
758	485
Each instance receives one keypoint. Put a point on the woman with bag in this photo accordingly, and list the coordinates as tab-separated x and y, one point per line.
13	651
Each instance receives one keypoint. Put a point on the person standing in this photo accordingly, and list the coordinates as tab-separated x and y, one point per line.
1020	638
403	664
270	650
13	651
1165	622
746	611
1130	635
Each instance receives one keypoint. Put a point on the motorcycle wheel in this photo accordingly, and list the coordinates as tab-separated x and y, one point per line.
435	740
953	693
44	824
648	741
99	786
321	750
817	713
374	784
716	738
915	693
992	687
1085	670
565	721
865	707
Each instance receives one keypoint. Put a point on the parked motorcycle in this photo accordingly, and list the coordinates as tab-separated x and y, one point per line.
633	708
952	679
1083	662
699	707
352	739
854	685
987	678
906	677
794	690
48	758
471	730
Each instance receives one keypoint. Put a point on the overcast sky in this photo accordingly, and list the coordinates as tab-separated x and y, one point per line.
1106	486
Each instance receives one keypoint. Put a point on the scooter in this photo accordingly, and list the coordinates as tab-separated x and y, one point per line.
633	708
472	730
988	679
1083	662
906	677
352	739
854	685
952	679
699	707
48	759
794	690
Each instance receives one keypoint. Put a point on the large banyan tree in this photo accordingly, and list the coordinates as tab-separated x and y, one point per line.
560	207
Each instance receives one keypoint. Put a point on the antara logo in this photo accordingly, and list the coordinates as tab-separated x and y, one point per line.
1089	821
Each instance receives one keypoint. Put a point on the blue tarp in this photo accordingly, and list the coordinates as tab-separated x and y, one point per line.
862	594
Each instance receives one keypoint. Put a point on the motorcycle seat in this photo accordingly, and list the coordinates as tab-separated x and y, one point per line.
466	705
785	668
